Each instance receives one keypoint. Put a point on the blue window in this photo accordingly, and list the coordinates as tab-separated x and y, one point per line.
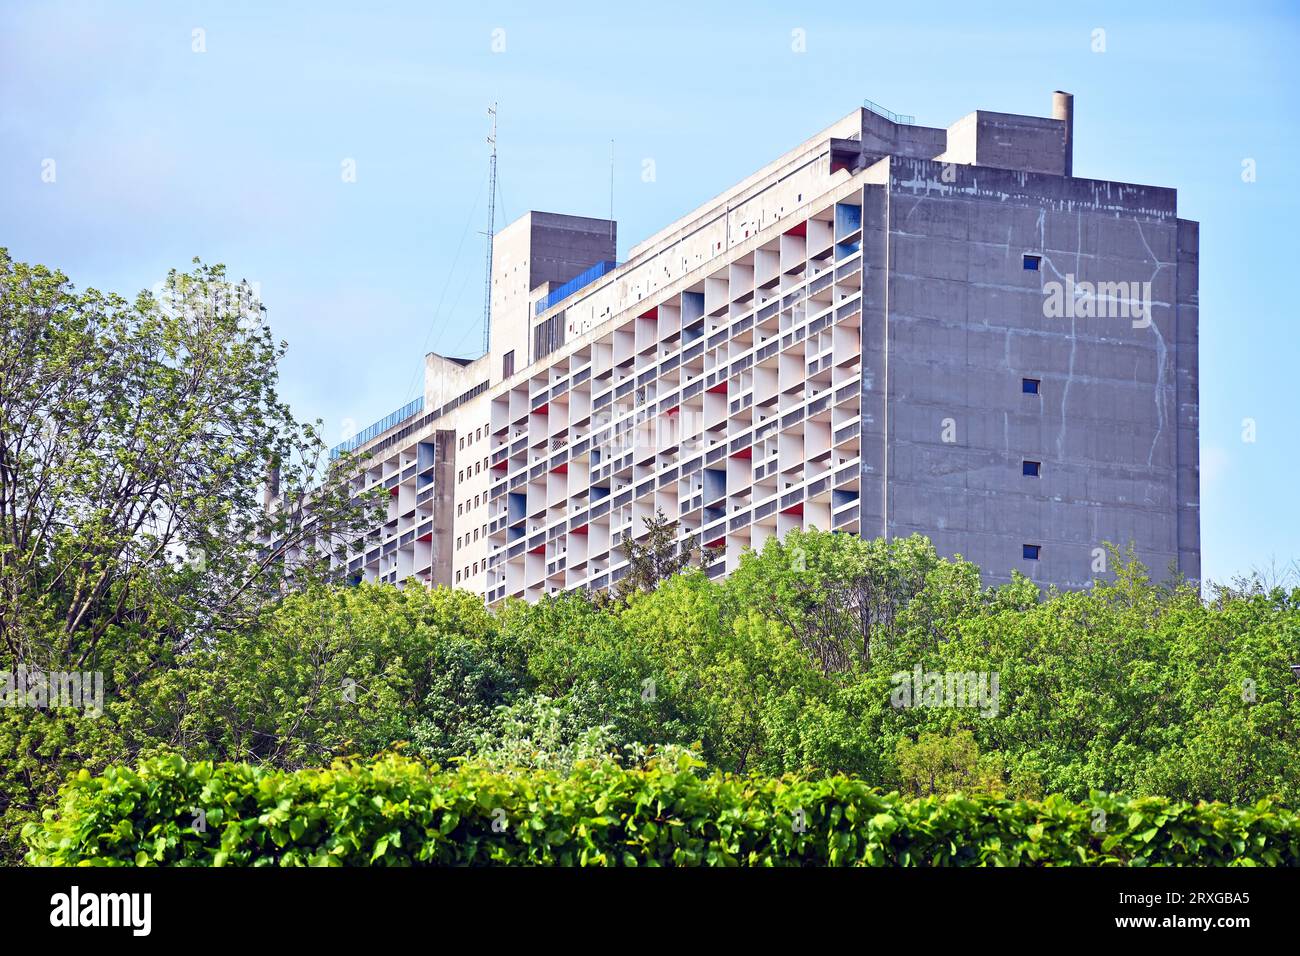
1030	469
1032	263
1029	552
1030	385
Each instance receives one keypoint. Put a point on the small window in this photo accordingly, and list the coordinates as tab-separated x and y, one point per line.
1030	469
1030	385
508	364
460	509
462	441
458	577
1032	263
1029	552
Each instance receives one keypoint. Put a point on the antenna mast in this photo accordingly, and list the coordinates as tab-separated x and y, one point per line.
491	231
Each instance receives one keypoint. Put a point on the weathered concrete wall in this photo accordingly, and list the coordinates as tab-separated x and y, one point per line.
875	309
885	137
1007	141
563	246
1189	397
967	322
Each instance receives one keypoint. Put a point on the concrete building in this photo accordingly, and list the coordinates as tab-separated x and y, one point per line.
889	329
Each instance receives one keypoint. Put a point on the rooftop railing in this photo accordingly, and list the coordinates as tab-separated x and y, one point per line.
900	118
378	428
584	278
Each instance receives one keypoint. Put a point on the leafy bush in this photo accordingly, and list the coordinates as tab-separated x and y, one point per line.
395	811
785	667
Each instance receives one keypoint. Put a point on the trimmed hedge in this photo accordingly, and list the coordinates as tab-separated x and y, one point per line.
396	811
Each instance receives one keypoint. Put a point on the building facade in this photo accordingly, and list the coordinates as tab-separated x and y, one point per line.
890	329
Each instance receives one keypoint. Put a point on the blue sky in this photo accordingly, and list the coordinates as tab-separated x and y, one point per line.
235	155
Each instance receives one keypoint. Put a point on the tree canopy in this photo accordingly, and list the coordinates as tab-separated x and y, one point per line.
137	440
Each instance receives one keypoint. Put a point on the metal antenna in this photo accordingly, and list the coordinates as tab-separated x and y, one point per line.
491	231
611	188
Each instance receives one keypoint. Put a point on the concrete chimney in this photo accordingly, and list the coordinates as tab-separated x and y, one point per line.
1063	109
271	490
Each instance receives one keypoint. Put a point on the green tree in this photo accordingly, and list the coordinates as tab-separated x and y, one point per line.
841	595
338	670
659	556
137	441
942	765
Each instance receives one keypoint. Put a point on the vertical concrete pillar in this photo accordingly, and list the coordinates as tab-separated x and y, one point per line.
1063	109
